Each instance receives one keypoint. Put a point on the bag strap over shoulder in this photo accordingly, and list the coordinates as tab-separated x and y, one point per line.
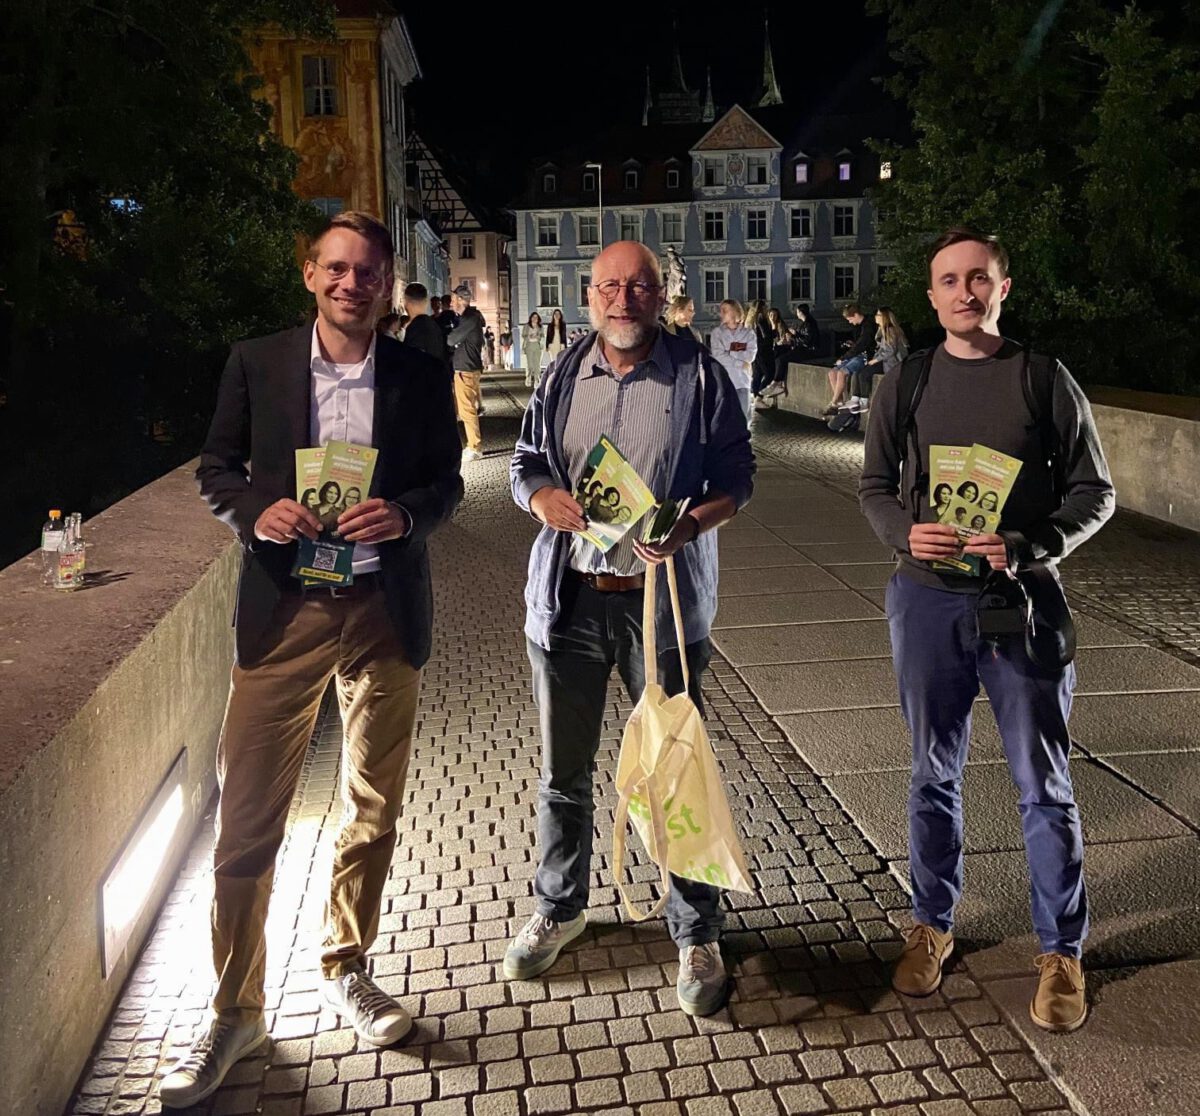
914	375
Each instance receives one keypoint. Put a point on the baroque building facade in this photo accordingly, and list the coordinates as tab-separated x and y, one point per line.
340	106
765	202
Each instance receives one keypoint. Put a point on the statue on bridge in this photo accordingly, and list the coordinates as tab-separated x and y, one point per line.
676	277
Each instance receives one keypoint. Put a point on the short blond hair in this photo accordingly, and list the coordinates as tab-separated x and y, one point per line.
737	308
677	306
360	222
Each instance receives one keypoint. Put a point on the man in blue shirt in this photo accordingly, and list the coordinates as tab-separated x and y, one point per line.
675	416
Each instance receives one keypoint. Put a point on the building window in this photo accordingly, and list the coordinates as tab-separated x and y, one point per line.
756	224
843	220
589	182
320	85
885	171
673	178
843	281
756	284
714	171
714	286
714	225
466	247
801	172
585	281
589	229
844	170
331	207
672	228
547	232
631	180
756	170
631	226
548	290
549	183
800	284
802	222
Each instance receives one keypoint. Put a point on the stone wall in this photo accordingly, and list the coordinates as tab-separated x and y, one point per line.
100	691
1152	442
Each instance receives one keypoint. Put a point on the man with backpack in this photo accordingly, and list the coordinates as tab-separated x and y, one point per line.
951	630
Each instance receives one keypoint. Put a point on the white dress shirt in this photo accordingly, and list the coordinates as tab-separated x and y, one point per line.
343	409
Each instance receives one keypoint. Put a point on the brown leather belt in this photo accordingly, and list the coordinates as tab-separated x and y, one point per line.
610	583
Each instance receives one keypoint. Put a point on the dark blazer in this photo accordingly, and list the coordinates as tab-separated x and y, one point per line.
262	417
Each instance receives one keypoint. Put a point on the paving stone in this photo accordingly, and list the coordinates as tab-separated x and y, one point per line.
895	1087
798	1099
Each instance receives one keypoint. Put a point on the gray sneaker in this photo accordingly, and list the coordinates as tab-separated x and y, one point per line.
374	1015
537	946
213	1054
702	980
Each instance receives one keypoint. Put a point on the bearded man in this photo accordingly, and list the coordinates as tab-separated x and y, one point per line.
674	414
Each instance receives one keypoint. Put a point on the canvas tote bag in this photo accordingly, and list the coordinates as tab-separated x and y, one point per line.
668	782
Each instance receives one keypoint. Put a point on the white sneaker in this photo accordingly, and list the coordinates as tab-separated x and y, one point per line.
538	944
702	981
471	455
374	1015
774	388
214	1053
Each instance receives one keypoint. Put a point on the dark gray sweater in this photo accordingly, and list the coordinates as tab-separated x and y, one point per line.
967	401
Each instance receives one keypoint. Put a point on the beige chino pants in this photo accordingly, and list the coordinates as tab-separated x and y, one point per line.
269	720
467	394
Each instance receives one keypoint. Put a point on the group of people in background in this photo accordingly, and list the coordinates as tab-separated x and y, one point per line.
542	341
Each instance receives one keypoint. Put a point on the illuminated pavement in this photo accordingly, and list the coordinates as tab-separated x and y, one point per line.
802	715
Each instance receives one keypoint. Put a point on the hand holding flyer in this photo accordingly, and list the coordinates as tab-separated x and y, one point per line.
984	483
330	479
613	497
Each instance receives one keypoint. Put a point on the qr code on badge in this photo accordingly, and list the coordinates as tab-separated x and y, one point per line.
324	558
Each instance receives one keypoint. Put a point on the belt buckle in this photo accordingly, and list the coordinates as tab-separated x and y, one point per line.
339	591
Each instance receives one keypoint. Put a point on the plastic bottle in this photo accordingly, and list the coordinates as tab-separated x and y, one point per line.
69	558
53	531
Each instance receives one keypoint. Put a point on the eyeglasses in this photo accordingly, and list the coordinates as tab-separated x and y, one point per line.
367	276
637	288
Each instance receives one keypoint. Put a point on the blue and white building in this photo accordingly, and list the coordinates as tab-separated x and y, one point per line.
764	202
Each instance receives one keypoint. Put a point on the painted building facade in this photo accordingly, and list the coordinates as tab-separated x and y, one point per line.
340	106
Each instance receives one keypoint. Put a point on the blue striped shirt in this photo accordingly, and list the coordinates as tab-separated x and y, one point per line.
634	412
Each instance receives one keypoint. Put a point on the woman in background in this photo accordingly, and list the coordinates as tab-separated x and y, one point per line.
735	346
532	338
678	316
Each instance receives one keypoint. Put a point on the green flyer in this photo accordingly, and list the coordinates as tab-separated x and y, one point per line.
330	479
979	496
612	495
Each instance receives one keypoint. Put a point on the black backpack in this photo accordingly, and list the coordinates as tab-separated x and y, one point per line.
1037	383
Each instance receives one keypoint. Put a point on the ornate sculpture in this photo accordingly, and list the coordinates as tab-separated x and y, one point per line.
676	276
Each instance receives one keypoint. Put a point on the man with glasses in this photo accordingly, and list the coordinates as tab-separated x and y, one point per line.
673	413
336	379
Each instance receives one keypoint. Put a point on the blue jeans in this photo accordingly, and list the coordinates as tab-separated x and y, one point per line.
594	632
940	662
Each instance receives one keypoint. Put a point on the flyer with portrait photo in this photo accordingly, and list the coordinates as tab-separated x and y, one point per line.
979	496
330	479
612	495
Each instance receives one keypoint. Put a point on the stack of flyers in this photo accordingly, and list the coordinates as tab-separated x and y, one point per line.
970	497
612	495
663	519
330	479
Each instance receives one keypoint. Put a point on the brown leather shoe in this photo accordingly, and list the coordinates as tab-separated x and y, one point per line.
919	970
1059	1004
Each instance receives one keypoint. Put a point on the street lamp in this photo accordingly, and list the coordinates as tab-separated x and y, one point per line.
599	169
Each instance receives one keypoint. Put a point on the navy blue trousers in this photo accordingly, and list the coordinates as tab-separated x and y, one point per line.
940	662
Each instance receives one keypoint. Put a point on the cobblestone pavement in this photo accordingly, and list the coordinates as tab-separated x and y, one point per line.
1139	572
811	1027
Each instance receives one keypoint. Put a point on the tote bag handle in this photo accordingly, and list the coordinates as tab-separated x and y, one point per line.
649	629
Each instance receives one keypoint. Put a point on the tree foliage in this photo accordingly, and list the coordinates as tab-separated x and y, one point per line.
1071	130
146	221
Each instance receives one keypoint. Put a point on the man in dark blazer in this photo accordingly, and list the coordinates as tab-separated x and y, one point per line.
336	379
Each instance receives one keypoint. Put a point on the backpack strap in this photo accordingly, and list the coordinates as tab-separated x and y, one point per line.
914	375
1037	383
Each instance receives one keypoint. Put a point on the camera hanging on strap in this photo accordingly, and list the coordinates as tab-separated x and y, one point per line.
1003	607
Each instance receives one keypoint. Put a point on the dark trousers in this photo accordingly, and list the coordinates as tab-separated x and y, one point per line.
785	355
940	662
570	684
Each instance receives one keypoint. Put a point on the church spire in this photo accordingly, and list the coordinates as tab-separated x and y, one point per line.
769	93
710	112
680	86
648	103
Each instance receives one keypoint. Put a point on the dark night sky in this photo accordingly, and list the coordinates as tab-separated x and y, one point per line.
522	82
